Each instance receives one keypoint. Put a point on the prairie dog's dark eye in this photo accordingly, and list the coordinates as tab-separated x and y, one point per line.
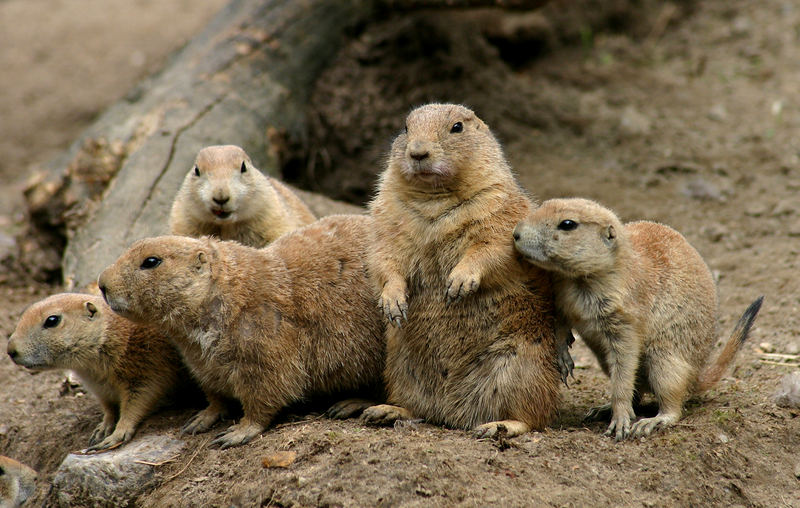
457	127
405	129
244	167
150	262
567	225
51	321
196	171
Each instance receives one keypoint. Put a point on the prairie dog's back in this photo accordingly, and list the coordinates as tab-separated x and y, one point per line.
226	196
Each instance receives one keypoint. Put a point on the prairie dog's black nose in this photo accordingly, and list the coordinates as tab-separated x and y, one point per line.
12	352
103	291
222	200
516	236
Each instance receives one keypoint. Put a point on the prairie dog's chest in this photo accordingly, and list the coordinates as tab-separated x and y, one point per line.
102	390
593	313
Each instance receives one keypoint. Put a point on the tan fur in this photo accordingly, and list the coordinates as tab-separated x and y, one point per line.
17	482
640	296
474	343
267	327
218	199
130	368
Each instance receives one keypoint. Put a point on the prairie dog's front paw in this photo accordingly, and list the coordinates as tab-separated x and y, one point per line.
394	304
620	427
104	429
462	282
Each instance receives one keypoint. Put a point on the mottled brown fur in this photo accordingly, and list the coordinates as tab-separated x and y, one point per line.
641	297
17	482
225	196
265	326
473	346
129	367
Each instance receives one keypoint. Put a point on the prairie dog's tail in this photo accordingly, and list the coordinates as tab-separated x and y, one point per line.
712	373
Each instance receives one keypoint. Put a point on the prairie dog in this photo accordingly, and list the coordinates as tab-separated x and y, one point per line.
472	345
225	196
17	482
640	296
130	368
265	326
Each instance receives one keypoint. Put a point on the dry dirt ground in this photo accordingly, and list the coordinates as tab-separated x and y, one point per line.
689	115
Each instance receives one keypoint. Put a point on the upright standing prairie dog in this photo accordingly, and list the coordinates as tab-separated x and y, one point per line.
17	482
225	196
640	296
473	345
129	367
267	327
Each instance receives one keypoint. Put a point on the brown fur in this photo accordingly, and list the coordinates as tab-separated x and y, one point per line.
267	327
17	482
473	346
217	198
640	296
130	368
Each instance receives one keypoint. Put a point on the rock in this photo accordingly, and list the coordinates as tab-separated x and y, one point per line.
633	123
114	478
703	190
723	438
756	209
788	394
718	113
797	470
793	348
785	207
767	347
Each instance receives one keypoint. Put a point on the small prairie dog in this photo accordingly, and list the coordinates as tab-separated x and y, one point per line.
473	345
267	327
130	368
17	483
225	196
641	297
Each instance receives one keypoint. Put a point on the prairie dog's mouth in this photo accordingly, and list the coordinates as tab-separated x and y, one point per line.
220	213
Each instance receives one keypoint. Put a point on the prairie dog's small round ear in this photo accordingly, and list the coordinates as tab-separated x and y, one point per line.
201	260
610	235
91	309
244	167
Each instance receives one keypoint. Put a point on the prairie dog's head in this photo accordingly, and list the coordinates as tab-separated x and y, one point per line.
59	332
17	482
220	184
444	144
573	237
159	279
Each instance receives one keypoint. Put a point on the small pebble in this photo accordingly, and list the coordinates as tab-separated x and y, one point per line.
767	347
723	438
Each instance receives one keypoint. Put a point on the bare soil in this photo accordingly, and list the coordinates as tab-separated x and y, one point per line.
684	113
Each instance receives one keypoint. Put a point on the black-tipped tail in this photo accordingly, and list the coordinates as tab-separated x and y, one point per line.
713	372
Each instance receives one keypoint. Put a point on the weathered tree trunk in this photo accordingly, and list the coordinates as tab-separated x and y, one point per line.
245	80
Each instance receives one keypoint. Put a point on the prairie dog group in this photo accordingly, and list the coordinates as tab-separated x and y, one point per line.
17	482
640	296
130	368
267	327
472	343
224	195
